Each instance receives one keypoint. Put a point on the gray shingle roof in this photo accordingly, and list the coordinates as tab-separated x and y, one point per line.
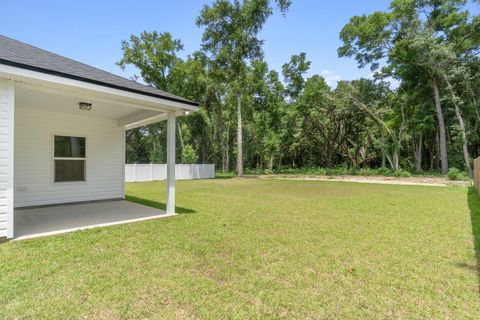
22	55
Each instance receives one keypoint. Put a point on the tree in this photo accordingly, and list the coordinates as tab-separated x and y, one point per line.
430	47
231	37
293	73
388	35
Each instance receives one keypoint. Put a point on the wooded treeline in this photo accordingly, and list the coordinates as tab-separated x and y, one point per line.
254	117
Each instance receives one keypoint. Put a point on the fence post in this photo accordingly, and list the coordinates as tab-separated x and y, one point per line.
135	172
151	171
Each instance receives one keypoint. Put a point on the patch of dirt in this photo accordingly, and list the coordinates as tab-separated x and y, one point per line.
418	180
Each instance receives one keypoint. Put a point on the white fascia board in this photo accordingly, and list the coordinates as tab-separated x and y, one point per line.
154	119
29	76
138	117
145	122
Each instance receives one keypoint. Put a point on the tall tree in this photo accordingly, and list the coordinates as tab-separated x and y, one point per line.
230	35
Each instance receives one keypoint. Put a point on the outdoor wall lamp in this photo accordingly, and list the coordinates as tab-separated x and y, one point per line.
85	106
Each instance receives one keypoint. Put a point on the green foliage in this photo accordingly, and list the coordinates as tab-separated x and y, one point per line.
189	154
291	120
154	54
341	171
456	174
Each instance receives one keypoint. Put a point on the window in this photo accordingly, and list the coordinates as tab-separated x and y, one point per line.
69	159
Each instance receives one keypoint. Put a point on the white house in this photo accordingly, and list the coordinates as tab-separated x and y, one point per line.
62	130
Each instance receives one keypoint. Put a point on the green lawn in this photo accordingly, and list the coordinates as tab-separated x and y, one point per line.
253	248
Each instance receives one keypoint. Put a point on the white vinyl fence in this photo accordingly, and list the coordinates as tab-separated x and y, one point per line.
151	172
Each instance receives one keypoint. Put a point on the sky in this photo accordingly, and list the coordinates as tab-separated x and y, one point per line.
91	31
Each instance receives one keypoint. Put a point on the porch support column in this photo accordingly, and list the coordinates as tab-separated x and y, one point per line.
171	162
10	114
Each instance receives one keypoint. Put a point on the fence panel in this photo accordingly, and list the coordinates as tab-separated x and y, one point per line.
151	172
476	174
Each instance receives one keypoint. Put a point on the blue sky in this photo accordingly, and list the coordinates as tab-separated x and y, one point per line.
91	31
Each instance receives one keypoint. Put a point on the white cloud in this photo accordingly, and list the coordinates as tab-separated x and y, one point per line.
331	78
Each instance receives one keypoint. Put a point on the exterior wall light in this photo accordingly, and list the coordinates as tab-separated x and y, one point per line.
85	106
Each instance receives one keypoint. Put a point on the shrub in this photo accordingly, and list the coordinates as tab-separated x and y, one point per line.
384	171
402	173
456	174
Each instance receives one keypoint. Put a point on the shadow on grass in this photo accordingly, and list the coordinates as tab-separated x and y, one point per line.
224	175
474	206
156	204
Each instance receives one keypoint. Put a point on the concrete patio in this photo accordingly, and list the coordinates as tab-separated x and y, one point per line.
50	220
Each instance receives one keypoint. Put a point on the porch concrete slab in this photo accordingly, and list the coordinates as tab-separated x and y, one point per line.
50	220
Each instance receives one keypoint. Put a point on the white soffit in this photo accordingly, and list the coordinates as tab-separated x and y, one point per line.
79	87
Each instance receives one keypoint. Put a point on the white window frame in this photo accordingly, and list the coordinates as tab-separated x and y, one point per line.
67	158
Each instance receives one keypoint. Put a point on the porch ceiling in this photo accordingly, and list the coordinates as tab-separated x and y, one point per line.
65	102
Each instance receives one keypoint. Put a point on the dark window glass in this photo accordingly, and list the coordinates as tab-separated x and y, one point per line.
69	170
69	147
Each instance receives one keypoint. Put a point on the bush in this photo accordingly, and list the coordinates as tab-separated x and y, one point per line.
456	174
383	171
343	171
402	173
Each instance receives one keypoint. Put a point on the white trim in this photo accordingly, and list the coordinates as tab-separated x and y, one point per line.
138	117
124	150
10	160
142	123
171	128
19	74
68	159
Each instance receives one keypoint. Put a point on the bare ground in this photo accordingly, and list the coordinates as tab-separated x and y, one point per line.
417	180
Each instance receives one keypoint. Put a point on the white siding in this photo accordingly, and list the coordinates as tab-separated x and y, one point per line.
34	131
6	191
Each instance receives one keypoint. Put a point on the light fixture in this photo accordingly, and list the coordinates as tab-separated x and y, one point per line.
85	106
186	113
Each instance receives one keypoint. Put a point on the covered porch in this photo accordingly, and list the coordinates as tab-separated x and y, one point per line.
62	142
50	220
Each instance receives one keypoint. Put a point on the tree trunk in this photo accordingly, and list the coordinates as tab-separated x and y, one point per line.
227	162
383	148
441	127
418	154
475	107
466	155
280	161
270	162
239	136
396	163
182	145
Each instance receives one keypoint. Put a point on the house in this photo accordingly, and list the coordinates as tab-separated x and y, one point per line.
62	132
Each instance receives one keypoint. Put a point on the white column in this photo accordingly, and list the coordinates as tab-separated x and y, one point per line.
171	162
10	159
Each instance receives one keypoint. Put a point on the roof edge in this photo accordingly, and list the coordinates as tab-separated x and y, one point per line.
96	82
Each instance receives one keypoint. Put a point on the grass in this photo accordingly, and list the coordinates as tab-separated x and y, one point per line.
256	248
